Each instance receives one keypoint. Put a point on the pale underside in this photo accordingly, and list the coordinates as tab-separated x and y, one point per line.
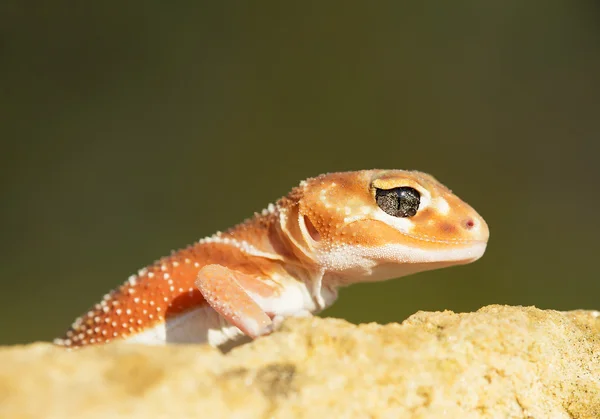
200	325
205	325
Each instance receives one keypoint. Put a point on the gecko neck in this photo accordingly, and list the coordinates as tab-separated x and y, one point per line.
274	241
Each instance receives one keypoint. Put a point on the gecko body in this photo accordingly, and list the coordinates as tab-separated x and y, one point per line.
289	260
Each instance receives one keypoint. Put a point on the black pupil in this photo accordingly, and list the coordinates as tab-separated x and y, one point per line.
399	202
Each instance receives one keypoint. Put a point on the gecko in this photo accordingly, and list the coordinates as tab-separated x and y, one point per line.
331	231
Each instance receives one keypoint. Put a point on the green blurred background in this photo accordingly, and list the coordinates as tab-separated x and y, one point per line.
130	129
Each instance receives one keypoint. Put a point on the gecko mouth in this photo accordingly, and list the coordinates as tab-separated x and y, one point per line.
425	238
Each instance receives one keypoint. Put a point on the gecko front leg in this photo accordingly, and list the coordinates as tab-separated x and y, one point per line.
225	290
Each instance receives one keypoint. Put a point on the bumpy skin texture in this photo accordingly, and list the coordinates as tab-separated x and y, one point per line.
288	260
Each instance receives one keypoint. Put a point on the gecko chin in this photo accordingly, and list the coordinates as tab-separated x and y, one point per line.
396	260
402	260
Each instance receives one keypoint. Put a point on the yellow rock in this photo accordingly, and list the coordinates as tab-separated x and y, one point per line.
499	362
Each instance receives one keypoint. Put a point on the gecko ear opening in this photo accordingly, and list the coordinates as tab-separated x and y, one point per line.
311	229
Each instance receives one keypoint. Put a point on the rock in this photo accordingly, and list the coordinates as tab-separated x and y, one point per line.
499	362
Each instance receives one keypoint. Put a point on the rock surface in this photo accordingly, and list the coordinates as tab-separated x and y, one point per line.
499	362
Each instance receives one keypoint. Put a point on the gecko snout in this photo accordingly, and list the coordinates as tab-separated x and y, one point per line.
475	227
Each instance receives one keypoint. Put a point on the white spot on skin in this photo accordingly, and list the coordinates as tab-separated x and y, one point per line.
442	206
360	214
404	225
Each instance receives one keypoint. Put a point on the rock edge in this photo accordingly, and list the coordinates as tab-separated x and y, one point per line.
501	361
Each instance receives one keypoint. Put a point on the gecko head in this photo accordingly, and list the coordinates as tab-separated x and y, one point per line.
380	224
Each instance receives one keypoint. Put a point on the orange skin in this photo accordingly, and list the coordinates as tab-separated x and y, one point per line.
327	232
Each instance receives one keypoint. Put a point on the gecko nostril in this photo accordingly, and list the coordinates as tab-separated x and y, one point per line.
469	224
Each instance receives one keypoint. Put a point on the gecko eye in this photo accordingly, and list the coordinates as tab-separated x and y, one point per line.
399	202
